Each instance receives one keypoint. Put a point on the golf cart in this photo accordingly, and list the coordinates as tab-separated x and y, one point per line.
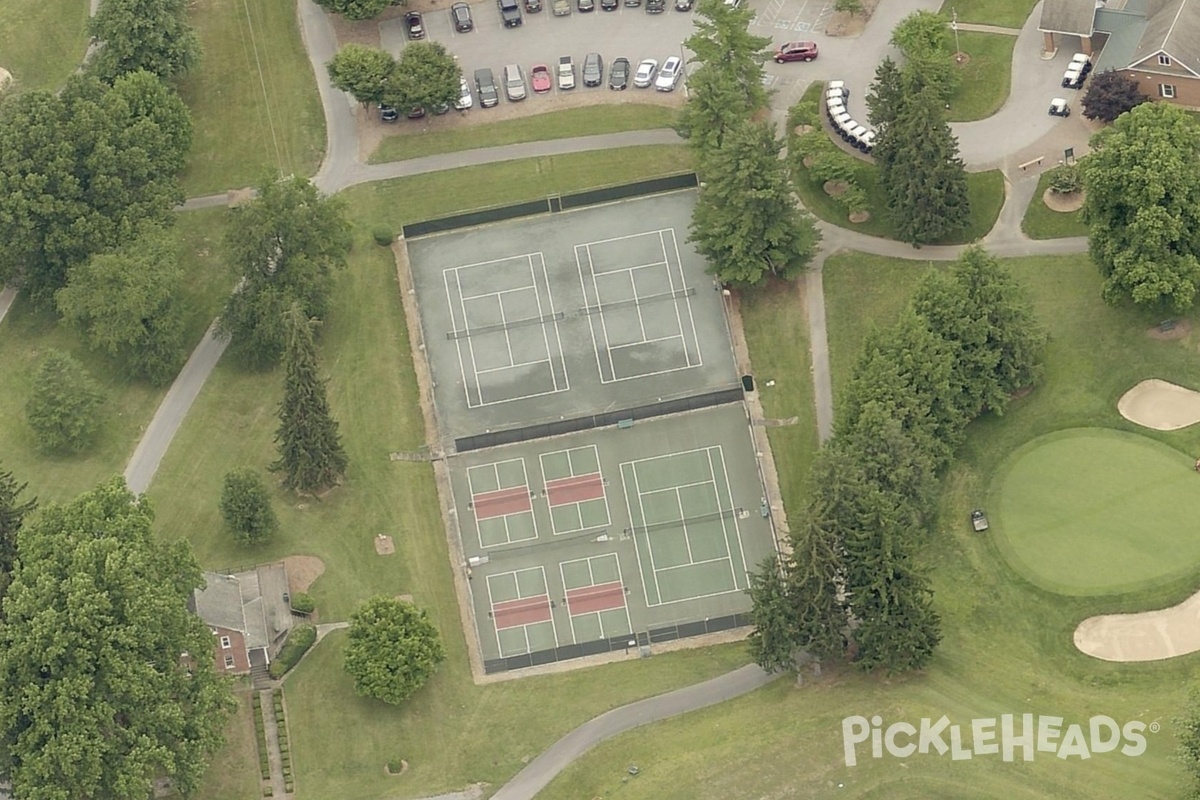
979	521
1059	107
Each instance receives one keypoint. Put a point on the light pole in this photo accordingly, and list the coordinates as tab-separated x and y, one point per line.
954	27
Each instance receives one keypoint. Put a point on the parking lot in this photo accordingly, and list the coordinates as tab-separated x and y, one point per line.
624	33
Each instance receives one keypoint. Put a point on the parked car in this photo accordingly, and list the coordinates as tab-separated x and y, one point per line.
645	73
796	51
514	82
414	25
655	6
460	15
632	3
979	520
593	69
566	73
561	8
539	78
416	112
618	74
1059	107
485	86
388	113
585	5
684	5
668	76
510	13
533	6
465	100
609	5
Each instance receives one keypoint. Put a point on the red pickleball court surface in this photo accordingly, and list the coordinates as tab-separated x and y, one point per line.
501	503
526	611
575	490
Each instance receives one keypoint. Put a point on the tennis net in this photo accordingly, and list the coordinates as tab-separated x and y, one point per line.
505	326
639	301
686	521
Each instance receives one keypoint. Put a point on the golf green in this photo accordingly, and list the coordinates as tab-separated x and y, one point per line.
1093	511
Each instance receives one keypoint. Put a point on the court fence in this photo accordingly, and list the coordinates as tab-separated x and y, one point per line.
620	417
552	204
667	633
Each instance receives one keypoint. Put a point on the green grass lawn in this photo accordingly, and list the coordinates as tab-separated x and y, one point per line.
1007	645
233	774
453	732
777	335
1097	511
1040	222
41	43
985	78
27	333
1005	13
253	98
586	121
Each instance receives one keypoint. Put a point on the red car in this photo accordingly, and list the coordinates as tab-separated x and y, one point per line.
539	78
796	51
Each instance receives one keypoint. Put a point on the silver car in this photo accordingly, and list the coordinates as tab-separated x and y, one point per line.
514	82
645	73
668	76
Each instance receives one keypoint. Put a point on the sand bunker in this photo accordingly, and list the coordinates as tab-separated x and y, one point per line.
1160	405
1149	636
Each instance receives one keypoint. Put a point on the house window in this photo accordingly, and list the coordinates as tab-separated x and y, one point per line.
228	662
1166	90
1164	60
225	643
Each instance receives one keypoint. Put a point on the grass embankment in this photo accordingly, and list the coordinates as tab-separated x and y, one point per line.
586	121
1007	645
253	97
1004	13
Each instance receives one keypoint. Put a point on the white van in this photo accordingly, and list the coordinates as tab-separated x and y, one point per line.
514	82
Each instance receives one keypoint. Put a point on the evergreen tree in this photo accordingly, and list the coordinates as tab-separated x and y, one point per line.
311	457
920	171
746	222
774	638
13	511
64	409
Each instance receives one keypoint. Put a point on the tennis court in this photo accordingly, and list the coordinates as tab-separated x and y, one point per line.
557	316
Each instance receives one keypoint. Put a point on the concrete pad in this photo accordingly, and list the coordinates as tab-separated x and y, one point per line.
1160	405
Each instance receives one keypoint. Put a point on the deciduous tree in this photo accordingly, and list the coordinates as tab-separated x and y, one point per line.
246	507
287	243
746	222
97	698
393	649
1110	94
1143	207
311	457
151	35
362	71
426	76
128	303
64	409
82	170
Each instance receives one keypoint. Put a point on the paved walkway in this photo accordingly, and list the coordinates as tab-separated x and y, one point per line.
8	296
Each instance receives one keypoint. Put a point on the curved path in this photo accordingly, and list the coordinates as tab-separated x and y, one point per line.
1021	123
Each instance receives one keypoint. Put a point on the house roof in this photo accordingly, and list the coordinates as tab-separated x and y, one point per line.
1125	31
1068	16
1172	28
250	602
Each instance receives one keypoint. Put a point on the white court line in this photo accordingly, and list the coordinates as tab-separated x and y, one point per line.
737	530
648	374
504	330
557	332
592	578
626	237
724	530
498	260
612	369
688	300
662	242
462	362
470	347
498	292
697	564
537	296
647	341
687	540
633	533
698	596
591	323
636	307
680	486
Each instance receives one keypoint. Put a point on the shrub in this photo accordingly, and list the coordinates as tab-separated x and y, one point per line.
383	236
298	641
303	603
268	791
1065	179
246	507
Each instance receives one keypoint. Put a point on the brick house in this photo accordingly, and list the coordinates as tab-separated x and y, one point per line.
1154	42
248	613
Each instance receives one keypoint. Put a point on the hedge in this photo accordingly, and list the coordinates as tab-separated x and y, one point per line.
298	641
